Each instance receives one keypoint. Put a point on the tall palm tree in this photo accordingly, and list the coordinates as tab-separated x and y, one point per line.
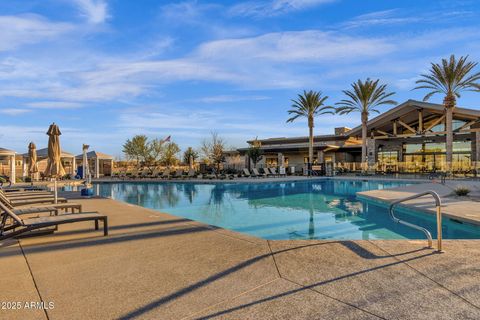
365	98
308	105
450	77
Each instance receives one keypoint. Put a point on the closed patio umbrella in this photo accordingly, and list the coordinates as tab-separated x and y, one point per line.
54	165
32	159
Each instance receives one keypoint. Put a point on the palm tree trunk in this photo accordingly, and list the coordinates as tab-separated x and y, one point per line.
310	145
364	141
449	103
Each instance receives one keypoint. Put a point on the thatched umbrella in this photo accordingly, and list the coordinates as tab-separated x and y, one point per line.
54	165
32	159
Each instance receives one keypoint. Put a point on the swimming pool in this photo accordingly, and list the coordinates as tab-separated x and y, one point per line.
316	209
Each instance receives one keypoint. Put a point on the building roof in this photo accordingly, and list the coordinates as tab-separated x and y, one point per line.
43	154
95	155
6	152
405	109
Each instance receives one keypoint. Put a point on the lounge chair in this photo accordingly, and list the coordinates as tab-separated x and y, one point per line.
24	226
274	171
133	174
27	201
267	172
257	174
51	208
166	174
177	174
145	173
155	173
191	174
246	173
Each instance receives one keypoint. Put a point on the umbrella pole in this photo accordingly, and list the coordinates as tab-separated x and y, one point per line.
55	192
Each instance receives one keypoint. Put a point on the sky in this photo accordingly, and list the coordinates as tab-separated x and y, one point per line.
106	70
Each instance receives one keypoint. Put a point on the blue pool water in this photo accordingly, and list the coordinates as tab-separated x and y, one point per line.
322	209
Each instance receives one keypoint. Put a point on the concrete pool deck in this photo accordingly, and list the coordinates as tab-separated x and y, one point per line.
158	266
465	209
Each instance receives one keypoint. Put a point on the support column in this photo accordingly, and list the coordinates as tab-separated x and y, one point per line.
12	169
97	168
321	157
74	167
111	167
371	153
24	167
477	151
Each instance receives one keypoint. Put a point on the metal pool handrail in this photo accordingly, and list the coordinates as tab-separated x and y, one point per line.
438	204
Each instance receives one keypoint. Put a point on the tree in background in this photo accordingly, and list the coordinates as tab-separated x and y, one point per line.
365	97
213	150
170	153
190	153
309	105
136	148
254	152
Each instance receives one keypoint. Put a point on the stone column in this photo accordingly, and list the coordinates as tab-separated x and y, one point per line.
371	153
321	157
74	166
97	168
477	151
24	167
12	169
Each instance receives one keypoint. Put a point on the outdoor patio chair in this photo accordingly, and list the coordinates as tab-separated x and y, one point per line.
246	173
51	208
166	174
267	172
258	174
191	173
19	227
177	174
27	201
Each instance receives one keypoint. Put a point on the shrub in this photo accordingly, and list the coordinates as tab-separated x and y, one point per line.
462	191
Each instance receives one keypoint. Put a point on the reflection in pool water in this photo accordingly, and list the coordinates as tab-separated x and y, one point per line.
321	209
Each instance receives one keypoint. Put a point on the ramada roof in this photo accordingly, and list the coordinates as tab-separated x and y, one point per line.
411	105
402	110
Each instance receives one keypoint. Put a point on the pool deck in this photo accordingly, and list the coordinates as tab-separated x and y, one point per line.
465	209
158	266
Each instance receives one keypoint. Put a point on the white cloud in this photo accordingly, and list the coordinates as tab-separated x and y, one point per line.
28	29
273	7
54	105
13	111
95	11
231	98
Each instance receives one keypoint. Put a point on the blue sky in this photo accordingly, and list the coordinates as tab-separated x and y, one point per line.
105	70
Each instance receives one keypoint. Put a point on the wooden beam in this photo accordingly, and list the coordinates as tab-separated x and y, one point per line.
380	137
406	126
468	124
470	130
395	127
420	121
434	123
383	133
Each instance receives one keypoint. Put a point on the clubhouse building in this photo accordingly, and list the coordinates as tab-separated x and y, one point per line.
409	138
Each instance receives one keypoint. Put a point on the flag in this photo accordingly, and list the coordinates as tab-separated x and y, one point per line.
167	139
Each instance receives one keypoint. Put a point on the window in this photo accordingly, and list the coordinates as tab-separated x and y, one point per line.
387	157
462	146
271	162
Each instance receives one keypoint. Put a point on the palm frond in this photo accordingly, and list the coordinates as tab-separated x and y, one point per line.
450	77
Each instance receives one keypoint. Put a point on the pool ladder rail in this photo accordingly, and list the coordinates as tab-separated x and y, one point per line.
438	204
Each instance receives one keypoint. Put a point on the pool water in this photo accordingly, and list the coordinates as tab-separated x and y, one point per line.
317	209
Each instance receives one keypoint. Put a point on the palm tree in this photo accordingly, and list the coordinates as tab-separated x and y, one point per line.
365	98
308	105
450	77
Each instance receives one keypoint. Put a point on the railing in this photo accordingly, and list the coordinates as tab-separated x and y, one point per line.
438	204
